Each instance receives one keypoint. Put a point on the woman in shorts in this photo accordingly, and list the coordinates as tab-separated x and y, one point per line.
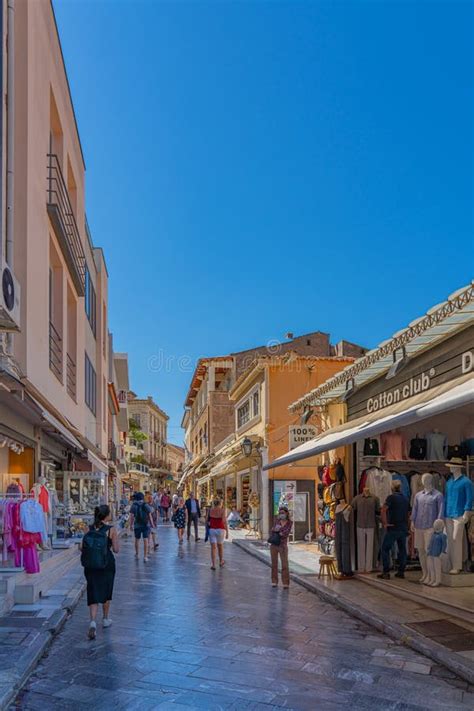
217	524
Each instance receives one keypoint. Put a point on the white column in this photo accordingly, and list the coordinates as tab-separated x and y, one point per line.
264	497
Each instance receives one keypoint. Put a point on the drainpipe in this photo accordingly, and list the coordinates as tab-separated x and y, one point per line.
8	337
10	129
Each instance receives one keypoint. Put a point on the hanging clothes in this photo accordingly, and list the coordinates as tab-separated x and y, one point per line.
393	446
379	483
343	539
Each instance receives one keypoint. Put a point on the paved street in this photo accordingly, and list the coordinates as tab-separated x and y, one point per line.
184	637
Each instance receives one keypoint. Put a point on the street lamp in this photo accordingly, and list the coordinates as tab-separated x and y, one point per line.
247	447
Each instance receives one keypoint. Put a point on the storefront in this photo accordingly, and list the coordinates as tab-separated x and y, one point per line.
410	418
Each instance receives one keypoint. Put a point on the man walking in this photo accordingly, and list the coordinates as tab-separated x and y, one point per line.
141	521
194	514
395	519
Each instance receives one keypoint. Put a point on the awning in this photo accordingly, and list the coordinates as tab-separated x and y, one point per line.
97	463
60	429
433	402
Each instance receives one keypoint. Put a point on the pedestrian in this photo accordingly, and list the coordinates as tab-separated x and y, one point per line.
233	519
194	514
174	500
97	556
279	546
217	523
395	520
150	501
179	519
142	523
165	505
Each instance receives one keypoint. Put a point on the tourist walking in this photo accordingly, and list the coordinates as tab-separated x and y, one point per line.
179	519
141	522
217	525
194	514
154	517
165	505
279	546
97	556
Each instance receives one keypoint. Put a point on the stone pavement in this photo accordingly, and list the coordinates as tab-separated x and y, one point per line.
185	637
433	631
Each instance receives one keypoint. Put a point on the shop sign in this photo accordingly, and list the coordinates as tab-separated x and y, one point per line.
283	494
443	363
415	386
299	434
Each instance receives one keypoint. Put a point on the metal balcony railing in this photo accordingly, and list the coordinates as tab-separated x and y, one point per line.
64	223
55	352
136	467
71	376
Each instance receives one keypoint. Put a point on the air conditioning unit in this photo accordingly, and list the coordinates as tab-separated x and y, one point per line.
9	300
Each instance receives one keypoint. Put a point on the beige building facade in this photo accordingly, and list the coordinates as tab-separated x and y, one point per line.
55	368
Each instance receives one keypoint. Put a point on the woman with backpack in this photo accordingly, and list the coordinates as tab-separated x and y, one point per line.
97	556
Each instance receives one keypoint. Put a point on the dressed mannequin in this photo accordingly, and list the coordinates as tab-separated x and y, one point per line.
367	508
343	539
436	548
427	507
42	495
459	495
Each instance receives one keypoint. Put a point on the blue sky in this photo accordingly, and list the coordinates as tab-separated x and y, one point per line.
261	167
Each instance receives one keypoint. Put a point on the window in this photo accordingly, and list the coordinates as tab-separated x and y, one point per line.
248	409
90	302
256	403
243	414
137	420
91	386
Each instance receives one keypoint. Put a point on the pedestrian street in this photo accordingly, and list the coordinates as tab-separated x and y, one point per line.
186	637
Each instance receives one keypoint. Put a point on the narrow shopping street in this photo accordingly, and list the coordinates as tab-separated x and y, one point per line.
186	637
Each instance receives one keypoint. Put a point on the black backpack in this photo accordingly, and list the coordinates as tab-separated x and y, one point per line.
95	548
141	514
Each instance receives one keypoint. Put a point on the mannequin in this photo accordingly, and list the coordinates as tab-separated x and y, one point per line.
459	495
42	496
367	508
436	548
343	539
427	507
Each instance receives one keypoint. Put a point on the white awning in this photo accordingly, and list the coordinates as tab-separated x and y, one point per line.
60	429
441	399
99	465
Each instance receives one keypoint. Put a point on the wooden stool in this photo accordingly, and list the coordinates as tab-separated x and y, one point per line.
327	566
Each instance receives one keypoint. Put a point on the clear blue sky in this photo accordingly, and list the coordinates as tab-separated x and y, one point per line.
260	167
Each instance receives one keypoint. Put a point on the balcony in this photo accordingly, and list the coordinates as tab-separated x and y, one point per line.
71	376
62	218
160	464
136	467
55	352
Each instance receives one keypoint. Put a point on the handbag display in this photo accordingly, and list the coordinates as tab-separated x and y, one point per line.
274	538
371	447
457	450
417	448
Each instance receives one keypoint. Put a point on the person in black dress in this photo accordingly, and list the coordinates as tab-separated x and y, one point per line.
100	583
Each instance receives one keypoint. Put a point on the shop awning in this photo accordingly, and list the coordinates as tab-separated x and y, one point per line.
58	427
97	463
445	397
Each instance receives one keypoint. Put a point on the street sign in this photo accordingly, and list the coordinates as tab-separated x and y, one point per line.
298	434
